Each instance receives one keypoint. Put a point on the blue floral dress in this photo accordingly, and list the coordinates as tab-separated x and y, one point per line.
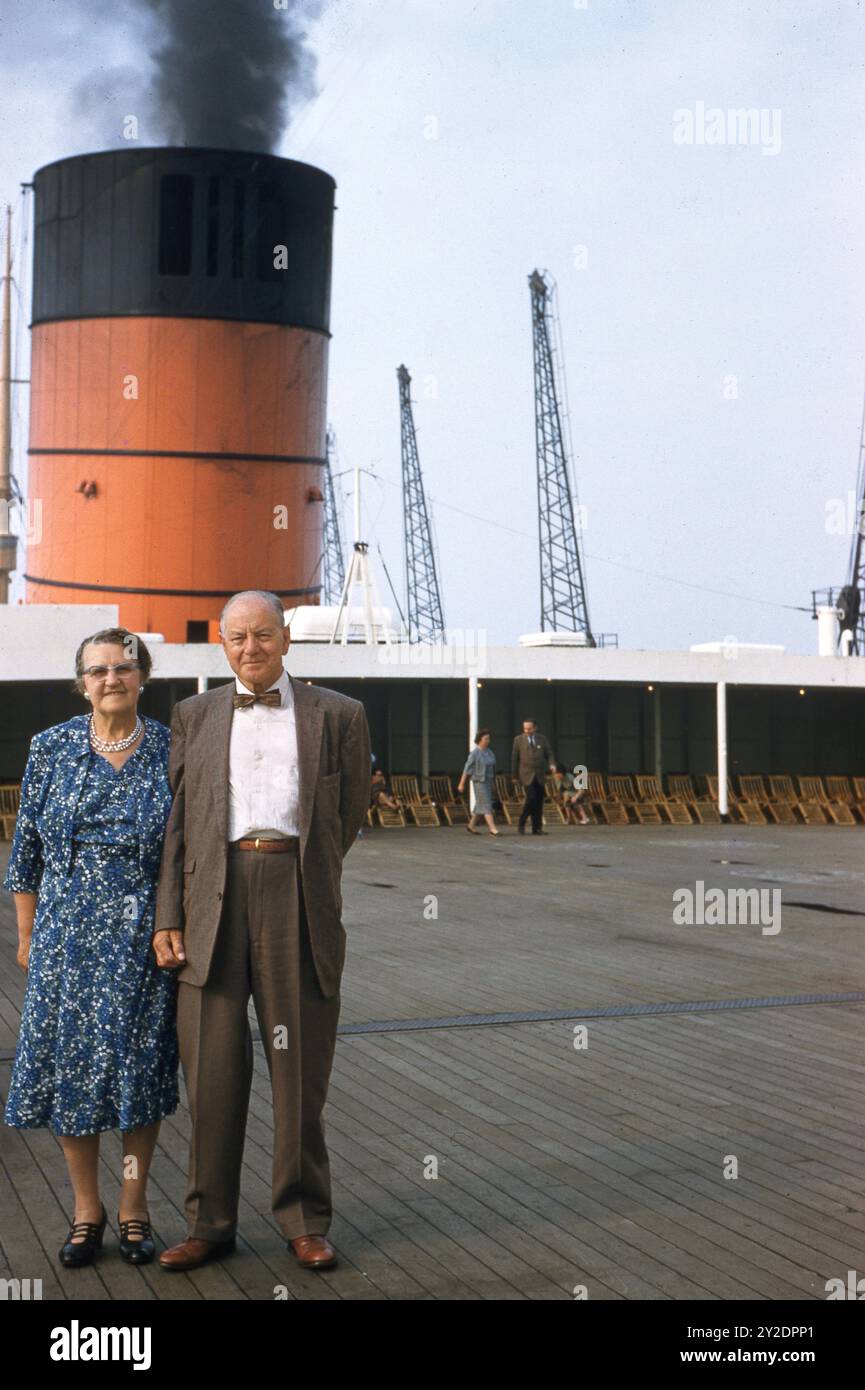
97	1047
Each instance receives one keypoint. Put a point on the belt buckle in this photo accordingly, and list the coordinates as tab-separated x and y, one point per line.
257	841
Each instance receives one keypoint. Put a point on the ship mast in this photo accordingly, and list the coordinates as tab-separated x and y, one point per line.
8	545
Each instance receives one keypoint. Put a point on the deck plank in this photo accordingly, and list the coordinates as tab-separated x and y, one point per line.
557	1167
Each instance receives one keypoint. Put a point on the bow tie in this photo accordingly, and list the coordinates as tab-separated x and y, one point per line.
270	697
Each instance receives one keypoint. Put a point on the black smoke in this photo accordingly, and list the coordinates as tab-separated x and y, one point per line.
229	73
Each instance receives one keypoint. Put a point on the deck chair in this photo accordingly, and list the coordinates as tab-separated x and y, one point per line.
645	812
839	789
858	785
441	790
418	804
708	782
753	801
783	803
812	789
751	815
606	808
753	789
10	800
782	789
841	792
512	796
649	790
552	801
681	787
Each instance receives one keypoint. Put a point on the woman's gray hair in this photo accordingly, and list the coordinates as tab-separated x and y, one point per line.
133	647
264	594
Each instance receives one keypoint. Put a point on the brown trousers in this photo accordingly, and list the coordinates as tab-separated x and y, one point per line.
262	948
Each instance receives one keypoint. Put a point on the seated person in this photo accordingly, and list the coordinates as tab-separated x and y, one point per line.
569	795
380	793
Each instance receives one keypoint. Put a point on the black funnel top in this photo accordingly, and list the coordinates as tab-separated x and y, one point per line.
184	233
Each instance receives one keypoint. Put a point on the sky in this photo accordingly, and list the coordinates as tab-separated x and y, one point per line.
710	281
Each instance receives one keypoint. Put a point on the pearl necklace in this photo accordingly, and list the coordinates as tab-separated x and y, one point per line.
104	745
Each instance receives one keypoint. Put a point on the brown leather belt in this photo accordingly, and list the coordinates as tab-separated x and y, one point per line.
265	846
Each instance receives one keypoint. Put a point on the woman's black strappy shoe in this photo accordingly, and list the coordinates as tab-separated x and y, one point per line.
141	1250
81	1252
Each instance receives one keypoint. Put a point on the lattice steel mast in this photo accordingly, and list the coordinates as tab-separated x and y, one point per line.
8	542
423	601
564	603
334	563
851	600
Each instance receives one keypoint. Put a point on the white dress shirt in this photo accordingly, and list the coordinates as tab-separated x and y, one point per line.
263	781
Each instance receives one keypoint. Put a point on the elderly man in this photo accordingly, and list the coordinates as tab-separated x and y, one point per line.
271	784
531	756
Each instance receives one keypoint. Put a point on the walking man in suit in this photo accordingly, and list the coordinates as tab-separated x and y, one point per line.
531	757
271	784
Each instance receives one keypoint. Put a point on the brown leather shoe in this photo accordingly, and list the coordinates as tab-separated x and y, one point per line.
313	1252
191	1253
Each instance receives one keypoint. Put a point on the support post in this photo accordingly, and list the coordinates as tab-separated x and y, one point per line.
656	710
473	725
424	736
723	804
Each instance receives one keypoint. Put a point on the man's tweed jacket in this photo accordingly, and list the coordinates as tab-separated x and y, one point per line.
333	747
527	762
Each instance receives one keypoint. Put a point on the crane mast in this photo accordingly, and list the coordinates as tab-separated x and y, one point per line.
851	600
334	564
423	600
847	604
564	603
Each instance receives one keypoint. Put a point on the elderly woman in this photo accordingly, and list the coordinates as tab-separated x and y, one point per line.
97	1046
481	767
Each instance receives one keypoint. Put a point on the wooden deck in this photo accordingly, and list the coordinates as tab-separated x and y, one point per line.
557	1167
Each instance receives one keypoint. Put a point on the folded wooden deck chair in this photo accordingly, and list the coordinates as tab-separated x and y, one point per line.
441	790
840	790
10	800
552	802
645	812
606	808
708	782
417	804
681	787
783	803
811	789
512	795
649	790
751	801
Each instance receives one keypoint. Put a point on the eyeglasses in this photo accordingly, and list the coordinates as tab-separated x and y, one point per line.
122	669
